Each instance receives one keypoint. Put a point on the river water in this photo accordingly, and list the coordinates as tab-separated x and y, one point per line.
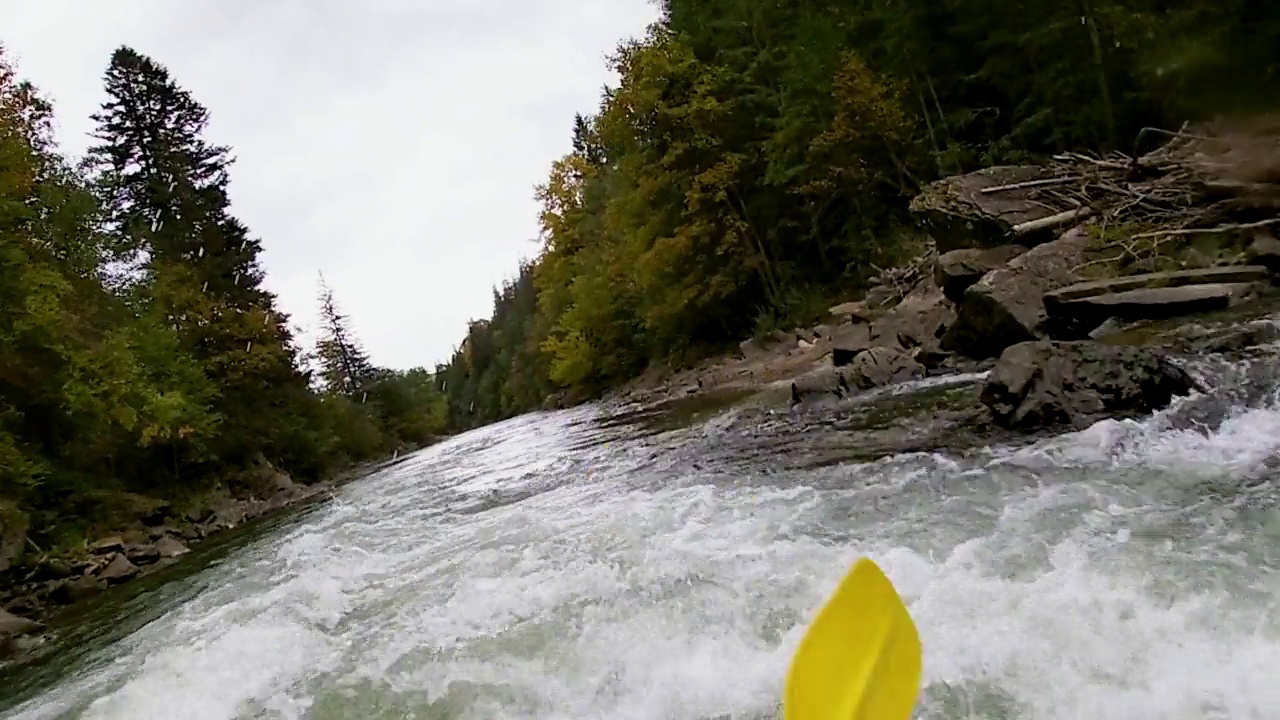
571	565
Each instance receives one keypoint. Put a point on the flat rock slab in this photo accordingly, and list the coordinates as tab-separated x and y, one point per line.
1155	303
1177	278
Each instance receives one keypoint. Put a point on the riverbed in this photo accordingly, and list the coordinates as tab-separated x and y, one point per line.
582	564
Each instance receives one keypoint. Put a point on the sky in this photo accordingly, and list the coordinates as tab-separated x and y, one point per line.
393	145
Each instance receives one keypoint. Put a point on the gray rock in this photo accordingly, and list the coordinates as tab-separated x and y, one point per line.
921	319
848	340
1045	384
1076	317
141	553
12	626
1006	307
1176	278
169	547
118	570
882	366
1259	332
823	331
957	270
826	384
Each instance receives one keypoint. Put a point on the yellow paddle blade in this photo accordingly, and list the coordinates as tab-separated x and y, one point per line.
860	659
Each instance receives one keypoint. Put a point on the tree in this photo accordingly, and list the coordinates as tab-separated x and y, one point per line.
163	189
344	366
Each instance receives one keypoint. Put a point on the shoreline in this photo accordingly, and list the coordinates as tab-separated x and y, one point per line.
60	585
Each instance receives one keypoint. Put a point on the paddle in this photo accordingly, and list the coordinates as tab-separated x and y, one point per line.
861	657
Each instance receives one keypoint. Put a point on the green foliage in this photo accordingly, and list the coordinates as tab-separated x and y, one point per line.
139	352
756	159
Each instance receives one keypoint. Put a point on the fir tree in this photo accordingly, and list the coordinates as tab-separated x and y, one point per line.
164	187
344	367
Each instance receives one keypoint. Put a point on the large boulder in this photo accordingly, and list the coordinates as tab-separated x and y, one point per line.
993	206
882	366
1006	307
957	270
1045	384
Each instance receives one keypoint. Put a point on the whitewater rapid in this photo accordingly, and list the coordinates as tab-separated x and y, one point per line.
558	566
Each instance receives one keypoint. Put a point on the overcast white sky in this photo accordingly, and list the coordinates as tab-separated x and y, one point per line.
392	144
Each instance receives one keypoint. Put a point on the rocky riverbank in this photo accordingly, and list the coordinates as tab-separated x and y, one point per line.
1046	273
151	534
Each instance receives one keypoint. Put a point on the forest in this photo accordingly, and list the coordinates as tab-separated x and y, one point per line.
139	353
755	161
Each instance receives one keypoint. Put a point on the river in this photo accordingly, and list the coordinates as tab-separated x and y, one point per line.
575	565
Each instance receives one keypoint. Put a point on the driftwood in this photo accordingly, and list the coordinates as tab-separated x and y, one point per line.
1218	178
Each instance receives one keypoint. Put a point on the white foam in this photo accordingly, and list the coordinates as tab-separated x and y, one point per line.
1040	581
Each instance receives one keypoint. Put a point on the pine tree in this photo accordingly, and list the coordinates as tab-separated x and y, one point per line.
163	189
344	367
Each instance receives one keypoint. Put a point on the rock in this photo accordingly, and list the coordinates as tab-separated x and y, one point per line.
13	533
955	271
957	214
1006	306
930	358
920	319
827	384
823	332
227	513
1229	274
1044	384
118	570
267	478
12	626
1259	332
141	554
199	514
108	545
847	341
1108	326
881	366
1076	318
1265	251
75	590
169	547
